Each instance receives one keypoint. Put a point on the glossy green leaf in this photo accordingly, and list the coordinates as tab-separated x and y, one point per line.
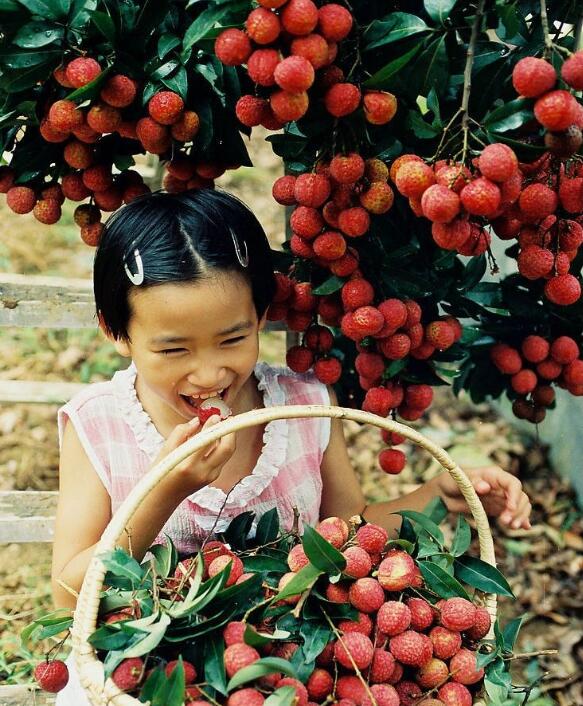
440	582
439	10
329	286
396	26
260	668
284	696
481	575
47	9
425	522
321	553
214	664
381	79
37	33
104	23
267	527
462	537
203	24
304	579
510	632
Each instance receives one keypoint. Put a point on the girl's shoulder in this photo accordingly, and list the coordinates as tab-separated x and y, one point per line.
99	395
282	385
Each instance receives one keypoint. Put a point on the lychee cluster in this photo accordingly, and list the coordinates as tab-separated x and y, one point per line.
333	207
533	367
288	49
392	640
390	330
167	126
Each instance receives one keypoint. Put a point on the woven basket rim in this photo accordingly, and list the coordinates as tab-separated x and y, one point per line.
103	692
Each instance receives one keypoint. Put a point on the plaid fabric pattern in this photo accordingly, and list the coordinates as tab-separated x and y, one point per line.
121	442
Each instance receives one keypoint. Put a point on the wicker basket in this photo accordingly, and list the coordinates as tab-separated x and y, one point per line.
103	692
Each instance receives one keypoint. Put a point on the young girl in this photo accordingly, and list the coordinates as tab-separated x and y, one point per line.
182	285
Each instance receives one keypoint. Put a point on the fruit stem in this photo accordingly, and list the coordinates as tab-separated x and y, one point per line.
545	25
468	73
354	666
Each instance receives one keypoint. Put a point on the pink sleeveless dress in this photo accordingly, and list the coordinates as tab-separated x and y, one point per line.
121	442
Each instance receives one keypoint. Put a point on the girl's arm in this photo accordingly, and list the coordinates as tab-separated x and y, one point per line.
500	492
84	507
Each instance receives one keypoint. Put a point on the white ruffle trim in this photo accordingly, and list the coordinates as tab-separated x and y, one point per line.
275	438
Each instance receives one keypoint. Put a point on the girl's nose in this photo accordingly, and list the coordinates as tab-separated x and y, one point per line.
206	378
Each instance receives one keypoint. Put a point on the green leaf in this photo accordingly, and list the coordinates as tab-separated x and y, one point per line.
462	537
28	58
436	510
47	9
104	23
203	24
267	527
510	632
166	43
237	531
396	26
420	128
473	273
112	638
260	668
163	559
284	696
439	10
59	620
151	640
440	581
434	64
121	564
329	286
321	553
315	637
37	33
481	575
214	664
485	658
178	82
174	691
509	116
427	523
156	677
303	580
265	564
381	79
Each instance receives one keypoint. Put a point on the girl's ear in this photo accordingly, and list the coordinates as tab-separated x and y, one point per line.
119	344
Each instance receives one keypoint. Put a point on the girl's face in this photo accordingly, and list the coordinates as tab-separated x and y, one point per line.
190	341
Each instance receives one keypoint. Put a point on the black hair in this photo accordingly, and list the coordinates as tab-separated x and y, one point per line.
180	238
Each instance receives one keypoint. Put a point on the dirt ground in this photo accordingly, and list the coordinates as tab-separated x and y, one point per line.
544	565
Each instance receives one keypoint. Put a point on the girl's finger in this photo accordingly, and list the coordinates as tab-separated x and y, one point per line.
482	487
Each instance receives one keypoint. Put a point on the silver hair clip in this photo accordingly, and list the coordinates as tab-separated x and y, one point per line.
243	259
138	277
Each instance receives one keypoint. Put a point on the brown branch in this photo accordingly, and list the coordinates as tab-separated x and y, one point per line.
544	18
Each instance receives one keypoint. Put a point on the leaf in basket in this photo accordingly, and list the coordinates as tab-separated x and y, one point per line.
263	666
462	537
199	596
214	665
436	510
425	522
304	579
165	558
315	636
240	596
236	533
265	565
156	677
321	553
303	667
120	564
510	632
284	696
267	527
108	637
481	575
427	547
440	582
171	692
151	640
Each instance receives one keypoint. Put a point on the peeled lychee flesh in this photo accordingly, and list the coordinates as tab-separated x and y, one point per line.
209	407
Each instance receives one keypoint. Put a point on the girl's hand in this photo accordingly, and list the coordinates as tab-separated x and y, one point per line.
500	492
203	466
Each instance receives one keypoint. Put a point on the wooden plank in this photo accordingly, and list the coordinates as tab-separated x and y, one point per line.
51	302
25	695
27	516
38	392
54	302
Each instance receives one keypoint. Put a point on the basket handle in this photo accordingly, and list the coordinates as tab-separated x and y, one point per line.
88	602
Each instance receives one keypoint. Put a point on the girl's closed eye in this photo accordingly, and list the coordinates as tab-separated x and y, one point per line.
169	351
231	341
